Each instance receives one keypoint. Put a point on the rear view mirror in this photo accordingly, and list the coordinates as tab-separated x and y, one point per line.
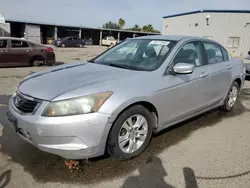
183	68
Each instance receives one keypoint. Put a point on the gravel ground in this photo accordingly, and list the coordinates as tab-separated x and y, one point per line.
211	150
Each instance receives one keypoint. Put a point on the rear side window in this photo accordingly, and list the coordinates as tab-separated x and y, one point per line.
214	53
3	43
225	54
19	44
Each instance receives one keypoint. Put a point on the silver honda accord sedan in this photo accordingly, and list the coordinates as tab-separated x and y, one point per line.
117	100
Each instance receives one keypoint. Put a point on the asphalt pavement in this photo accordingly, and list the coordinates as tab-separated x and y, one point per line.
211	150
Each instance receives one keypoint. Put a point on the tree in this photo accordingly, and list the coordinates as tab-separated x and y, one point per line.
121	22
148	28
156	31
136	28
111	25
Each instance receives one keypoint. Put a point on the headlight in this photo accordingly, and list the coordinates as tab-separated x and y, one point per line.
14	94
76	106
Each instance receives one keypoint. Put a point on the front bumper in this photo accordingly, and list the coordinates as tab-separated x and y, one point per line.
71	137
247	73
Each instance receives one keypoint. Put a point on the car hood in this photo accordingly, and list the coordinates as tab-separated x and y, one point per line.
51	83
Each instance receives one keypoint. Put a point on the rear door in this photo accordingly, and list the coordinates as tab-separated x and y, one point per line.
220	71
3	52
76	41
20	52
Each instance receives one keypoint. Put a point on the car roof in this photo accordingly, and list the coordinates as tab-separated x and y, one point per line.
20	39
12	38
169	37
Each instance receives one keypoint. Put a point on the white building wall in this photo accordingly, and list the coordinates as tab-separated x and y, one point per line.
2	20
33	33
221	27
5	29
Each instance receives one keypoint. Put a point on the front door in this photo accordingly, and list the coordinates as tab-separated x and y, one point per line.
20	52
185	94
220	72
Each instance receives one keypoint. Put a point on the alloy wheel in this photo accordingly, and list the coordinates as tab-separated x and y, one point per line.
133	133
232	97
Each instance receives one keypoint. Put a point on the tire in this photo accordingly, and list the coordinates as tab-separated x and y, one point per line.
63	45
227	106
113	146
36	61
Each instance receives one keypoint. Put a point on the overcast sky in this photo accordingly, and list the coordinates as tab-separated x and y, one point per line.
93	13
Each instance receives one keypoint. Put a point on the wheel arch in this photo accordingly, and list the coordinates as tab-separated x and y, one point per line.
145	103
36	57
239	81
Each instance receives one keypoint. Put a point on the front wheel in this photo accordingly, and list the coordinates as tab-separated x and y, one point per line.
232	97
131	133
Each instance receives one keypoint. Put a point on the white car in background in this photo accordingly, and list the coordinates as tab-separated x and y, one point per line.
108	41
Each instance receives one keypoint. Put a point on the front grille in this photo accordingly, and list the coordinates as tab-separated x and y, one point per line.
23	104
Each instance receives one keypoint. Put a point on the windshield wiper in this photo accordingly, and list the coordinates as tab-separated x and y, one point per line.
126	67
91	61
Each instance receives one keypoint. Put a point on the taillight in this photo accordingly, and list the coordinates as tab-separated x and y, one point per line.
49	49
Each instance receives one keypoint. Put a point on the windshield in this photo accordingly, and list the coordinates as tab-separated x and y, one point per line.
137	54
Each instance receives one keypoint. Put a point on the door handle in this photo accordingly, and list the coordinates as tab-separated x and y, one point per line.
229	66
203	74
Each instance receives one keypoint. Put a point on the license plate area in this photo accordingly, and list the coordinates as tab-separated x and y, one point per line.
13	121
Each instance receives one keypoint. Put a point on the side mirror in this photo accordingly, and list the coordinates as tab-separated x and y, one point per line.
248	52
183	68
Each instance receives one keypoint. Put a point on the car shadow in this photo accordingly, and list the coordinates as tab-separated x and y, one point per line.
58	63
46	167
245	94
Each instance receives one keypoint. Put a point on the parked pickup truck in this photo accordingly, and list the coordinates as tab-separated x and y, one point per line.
108	41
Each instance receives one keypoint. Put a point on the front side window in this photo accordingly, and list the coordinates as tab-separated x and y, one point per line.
19	44
137	54
190	53
3	43
214	54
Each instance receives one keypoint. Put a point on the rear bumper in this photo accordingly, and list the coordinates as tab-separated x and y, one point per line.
51	58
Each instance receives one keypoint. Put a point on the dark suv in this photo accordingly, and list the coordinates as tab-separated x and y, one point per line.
20	52
70	42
